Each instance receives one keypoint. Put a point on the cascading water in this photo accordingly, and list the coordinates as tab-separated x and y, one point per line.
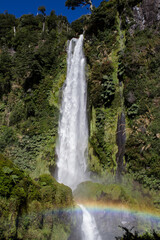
73	131
89	227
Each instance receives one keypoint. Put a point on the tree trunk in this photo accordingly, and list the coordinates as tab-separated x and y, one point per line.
43	27
14	30
91	5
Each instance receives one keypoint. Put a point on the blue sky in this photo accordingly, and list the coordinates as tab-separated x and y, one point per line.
20	7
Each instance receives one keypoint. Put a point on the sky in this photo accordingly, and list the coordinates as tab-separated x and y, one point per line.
20	7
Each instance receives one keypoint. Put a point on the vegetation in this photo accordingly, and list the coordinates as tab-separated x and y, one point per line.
135	236
32	71
30	62
103	43
129	194
76	3
123	78
141	92
25	202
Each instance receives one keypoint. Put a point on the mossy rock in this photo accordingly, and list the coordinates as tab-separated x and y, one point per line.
25	202
131	196
90	191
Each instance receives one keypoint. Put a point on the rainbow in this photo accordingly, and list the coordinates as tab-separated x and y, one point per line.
110	208
96	207
119	208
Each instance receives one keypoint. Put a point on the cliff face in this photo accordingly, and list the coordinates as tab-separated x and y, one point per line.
146	13
122	50
151	11
122	81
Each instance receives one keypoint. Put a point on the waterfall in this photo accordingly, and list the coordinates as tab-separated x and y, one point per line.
71	148
89	227
73	127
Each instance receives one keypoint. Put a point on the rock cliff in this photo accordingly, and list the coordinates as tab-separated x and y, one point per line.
147	13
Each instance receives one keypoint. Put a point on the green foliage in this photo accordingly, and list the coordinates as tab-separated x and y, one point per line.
108	90
53	191
36	120
7	22
6	64
129	235
29	22
10	179
7	137
42	9
101	86
97	139
52	21
133	68
79	24
141	92
18	113
76	3
148	180
103	50
29	70
24	201
122	5
102	18
133	110
26	36
128	193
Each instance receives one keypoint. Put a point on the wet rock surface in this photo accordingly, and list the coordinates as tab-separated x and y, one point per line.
146	14
111	223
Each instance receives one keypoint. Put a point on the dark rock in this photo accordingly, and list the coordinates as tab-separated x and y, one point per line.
151	11
131	97
145	14
138	18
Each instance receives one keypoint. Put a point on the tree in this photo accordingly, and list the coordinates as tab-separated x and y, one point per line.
7	22
52	21
42	9
76	3
6	65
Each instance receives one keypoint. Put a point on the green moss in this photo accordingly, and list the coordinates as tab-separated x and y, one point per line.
25	201
60	232
94	162
129	193
54	97
46	157
93	121
102	144
106	103
110	193
60	194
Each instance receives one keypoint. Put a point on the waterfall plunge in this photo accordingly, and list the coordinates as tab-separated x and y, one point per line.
73	128
73	131
89	227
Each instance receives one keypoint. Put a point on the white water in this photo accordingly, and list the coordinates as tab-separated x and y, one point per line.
71	148
89	228
73	127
